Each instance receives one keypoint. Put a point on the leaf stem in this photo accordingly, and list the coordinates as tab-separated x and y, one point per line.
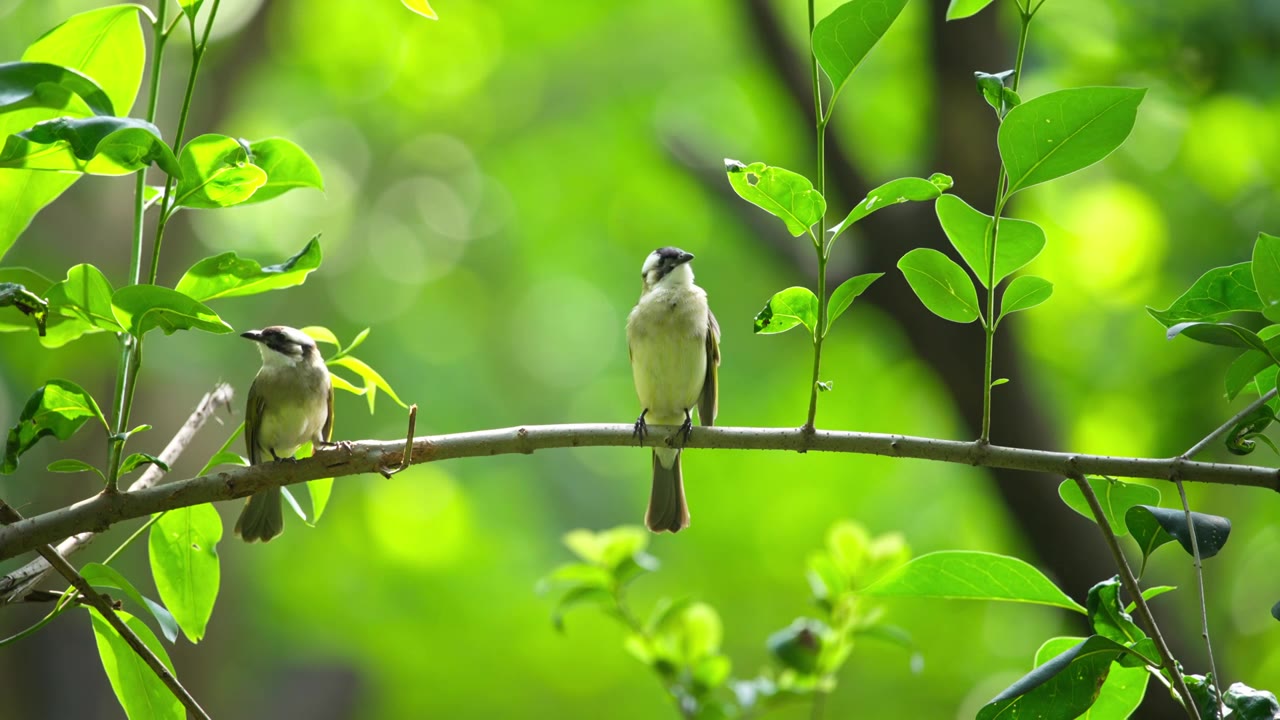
820	132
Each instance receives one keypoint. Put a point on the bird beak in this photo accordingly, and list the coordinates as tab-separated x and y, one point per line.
684	258
255	335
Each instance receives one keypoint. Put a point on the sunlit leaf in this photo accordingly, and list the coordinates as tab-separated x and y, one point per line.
321	334
1062	688
372	380
216	173
843	296
19	81
1115	496
136	460
969	575
59	409
288	167
105	576
1018	242
93	145
229	275
892	193
140	308
1024	293
1121	693
786	195
787	309
184	562
71	465
941	285
1216	294
842	39
422	7
960	9
140	692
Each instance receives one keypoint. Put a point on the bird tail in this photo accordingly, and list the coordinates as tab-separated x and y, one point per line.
668	511
262	517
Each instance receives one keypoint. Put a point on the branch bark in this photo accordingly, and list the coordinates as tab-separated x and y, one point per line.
103	510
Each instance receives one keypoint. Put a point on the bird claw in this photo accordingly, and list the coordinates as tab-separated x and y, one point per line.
686	429
641	428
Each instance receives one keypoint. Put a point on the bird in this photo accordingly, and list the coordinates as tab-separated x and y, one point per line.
674	344
290	403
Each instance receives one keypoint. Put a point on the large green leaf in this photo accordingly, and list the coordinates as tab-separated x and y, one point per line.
787	309
216	173
1061	132
1024	293
1121	693
142	695
1266	274
1018	241
842	39
969	575
140	308
782	193
843	296
229	275
80	304
1216	294
59	409
105	576
19	81
184	563
93	145
287	166
104	44
1115	496
1062	688
892	193
941	285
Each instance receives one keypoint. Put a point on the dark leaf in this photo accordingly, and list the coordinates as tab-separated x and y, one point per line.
94	145
1106	615
1220	333
287	166
1062	688
20	81
1251	704
26	302
799	645
136	460
1155	526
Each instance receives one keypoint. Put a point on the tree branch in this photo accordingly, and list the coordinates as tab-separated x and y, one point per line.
16	584
101	511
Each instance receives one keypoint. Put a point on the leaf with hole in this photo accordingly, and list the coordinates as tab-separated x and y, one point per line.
141	308
59	408
1061	132
892	193
139	690
1120	694
786	195
1062	688
216	173
843	296
842	39
1213	296
1115	497
1018	242
229	275
787	309
105	576
968	575
93	145
1155	526
941	285
1024	293
182	546
22	81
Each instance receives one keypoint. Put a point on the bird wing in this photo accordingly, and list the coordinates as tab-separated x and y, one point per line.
709	402
252	419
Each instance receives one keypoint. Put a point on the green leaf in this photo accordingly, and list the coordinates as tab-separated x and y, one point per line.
1205	695
421	7
993	90
1250	704
372	380
190	8
59	409
782	193
571	575
1115	496
1219	333
216	173
1240	440
142	695
960	9
104	576
1266	274
1155	526
968	575
1018	241
93	145
843	296
359	340
26	302
229	275
320	490
1061	132
1025	292
842	39
321	334
1107	617
1246	367
1149	593
19	81
1217	293
141	308
287	166
941	285
787	309
799	645
136	460
892	193
577	597
71	465
1062	688
1121	693
79	305
105	45
184	563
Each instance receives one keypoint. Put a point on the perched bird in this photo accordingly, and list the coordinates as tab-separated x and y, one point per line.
290	404
674	342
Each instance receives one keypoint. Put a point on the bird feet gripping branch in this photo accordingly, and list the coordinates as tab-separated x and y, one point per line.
686	429
641	429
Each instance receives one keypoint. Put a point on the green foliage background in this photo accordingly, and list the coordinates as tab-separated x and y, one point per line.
493	182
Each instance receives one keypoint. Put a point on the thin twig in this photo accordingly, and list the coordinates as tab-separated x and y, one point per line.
99	602
1167	661
1225	427
17	583
367	456
407	458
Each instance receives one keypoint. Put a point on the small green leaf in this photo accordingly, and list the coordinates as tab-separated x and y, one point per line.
1149	593
1107	617
1148	523
105	576
59	409
1219	333
1240	439
1266	274
372	380
359	340
1121	693
782	193
72	465
892	193
224	457
136	460
184	563
799	645
1024	293
843	296
1115	496
1216	294
190	8
993	90
842	39
321	334
20	81
93	145
961	9
229	275
80	305
141	308
941	285
1062	688
421	7
320	491
216	173
577	597
142	695
1246	367
287	166
1205	695
1061	132
968	575
1250	704
1018	241
999	381
787	309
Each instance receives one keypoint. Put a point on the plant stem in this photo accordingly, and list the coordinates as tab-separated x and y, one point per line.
1130	583
820	128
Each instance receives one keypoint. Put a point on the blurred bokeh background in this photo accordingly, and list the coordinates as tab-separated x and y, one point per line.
493	182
